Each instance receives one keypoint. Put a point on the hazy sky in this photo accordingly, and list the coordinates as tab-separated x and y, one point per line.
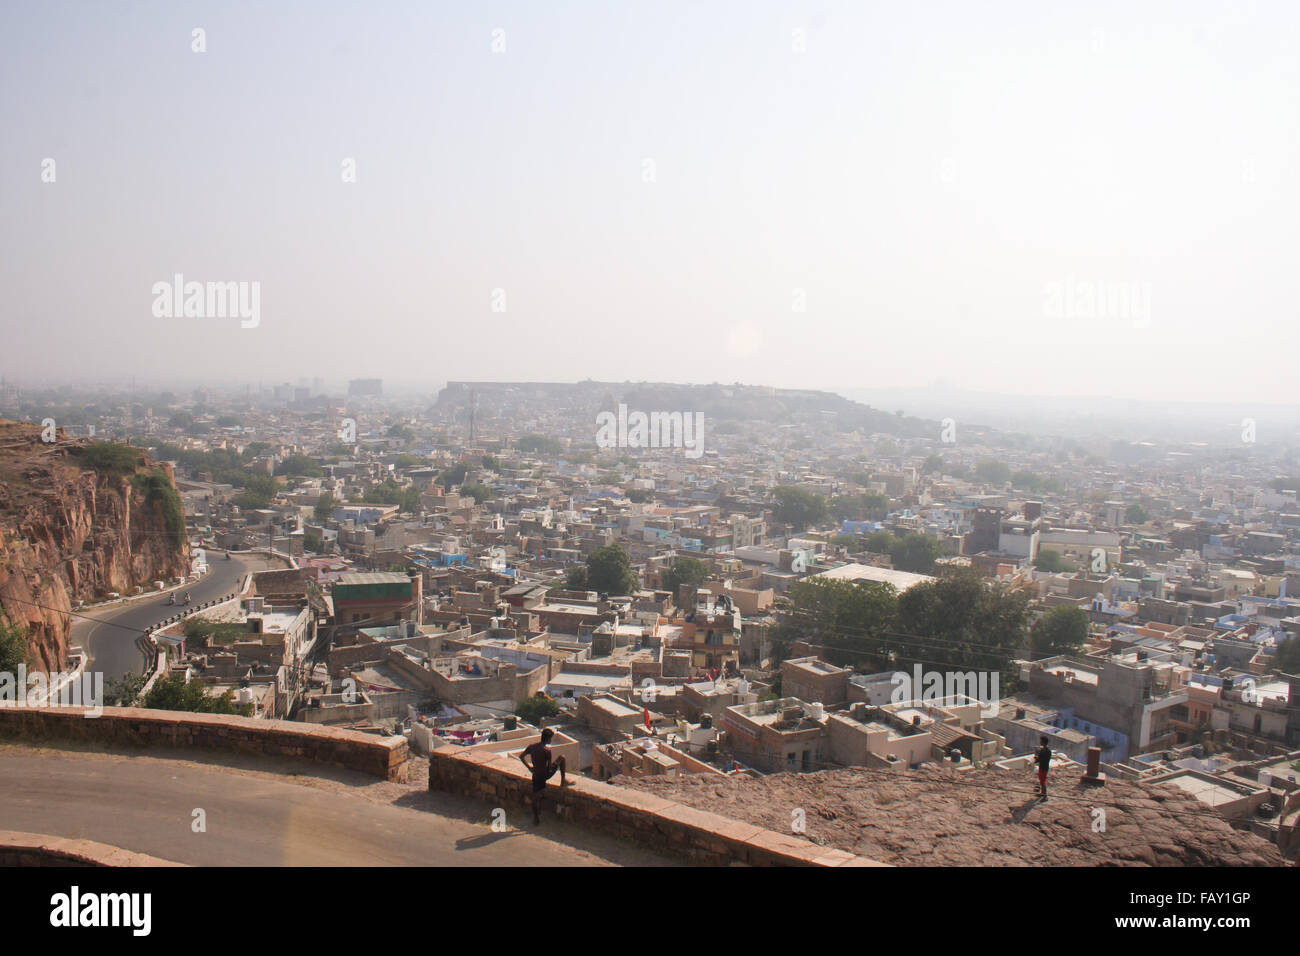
1028	197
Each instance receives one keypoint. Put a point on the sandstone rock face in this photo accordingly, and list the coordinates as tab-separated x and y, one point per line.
70	534
938	816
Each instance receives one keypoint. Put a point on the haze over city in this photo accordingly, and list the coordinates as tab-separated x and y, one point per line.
799	195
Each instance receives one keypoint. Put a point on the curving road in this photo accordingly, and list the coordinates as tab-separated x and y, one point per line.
254	818
114	649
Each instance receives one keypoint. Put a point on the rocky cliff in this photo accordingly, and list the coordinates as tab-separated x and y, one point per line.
79	519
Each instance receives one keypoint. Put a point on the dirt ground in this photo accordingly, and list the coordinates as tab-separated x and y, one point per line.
938	816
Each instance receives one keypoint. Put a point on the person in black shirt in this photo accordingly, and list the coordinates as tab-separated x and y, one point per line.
1043	757
543	768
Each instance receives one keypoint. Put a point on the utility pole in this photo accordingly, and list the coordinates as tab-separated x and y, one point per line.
471	419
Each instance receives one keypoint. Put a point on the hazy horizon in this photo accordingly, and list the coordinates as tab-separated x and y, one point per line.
1009	200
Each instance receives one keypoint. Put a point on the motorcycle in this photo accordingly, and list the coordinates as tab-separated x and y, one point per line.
187	597
171	600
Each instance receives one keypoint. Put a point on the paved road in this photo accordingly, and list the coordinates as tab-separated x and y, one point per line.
114	650
253	818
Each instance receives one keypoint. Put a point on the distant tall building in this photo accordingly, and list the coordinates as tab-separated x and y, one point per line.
365	386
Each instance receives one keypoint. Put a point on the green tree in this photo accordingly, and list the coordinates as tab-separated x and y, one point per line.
916	552
961	621
861	507
879	542
609	571
1062	630
540	444
299	465
1288	656
575	580
685	570
799	507
1053	562
325	506
111	458
452	476
124	691
175	693
992	471
852	620
637	495
13	648
1136	514
479	492
537	708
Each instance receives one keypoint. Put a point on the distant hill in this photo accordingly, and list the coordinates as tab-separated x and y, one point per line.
582	401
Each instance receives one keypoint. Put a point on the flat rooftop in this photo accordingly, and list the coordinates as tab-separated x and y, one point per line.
901	580
372	577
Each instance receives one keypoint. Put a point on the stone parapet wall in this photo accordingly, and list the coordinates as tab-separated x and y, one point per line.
384	757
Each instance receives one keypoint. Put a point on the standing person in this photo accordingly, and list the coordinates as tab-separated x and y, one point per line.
542	768
1043	757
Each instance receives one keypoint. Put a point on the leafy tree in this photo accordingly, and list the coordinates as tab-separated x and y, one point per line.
325	506
536	709
112	458
250	500
961	621
313	541
479	492
452	476
637	495
1036	484
575	580
685	570
879	542
861	507
540	444
1053	562
175	693
853	620
799	507
916	552
993	472
299	465
492	463
1288	656
850	541
124	691
158	489
1062	630
13	648
933	465
609	571
409	500
1136	514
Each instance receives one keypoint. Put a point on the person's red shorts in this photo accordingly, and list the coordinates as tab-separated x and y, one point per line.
1042	777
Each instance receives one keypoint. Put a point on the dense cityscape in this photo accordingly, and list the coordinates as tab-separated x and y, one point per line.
815	590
